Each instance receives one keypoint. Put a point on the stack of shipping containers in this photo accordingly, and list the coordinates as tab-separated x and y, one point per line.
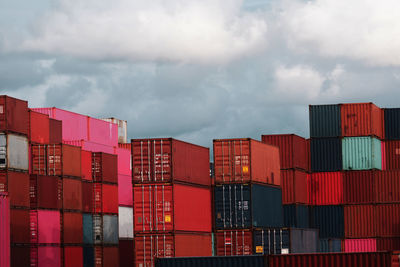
172	200
248	214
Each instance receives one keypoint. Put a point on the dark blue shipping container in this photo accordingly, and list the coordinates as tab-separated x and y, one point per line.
88	256
226	261
325	121
326	154
303	240
240	206
329	220
329	245
87	221
296	216
392	123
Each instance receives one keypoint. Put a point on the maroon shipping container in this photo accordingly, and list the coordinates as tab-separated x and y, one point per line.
358	187
87	196
45	192
86	165
387	220
14	115
148	247
72	231
72	194
17	186
362	119
20	256
165	160
392	150
104	167
19	226
387	186
55	131
359	221
4	230
388	244
73	256
294	187
126	253
160	208
370	259
233	243
308	147
105	198
110	257
246	160
292	150
325	188
38	127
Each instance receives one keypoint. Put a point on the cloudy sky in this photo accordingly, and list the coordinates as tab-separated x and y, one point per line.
198	70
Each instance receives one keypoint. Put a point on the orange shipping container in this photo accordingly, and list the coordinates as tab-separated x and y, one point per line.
359	221
246	160
325	188
294	187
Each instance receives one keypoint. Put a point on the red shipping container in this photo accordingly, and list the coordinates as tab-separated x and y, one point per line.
104	167
72	228
388	220
387	186
148	247
86	165
125	195
14	115
38	159
17	186
388	243
166	160
392	151
126	253
325	188
362	119
105	198
55	131
45	192
72	194
45	227
19	226
4	230
246	160
359	245
45	256
308	144
292	150
359	221
20	256
87	196
294	187
233	243
72	256
38	127
124	161
125	146
110	257
358	187
172	207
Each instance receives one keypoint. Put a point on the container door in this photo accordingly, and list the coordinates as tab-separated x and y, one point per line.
223	161
223	206
143	208
144	251
241	203
164	246
241	160
141	159
38	159
98	229
17	152
163	208
162	158
233	243
3	151
54	160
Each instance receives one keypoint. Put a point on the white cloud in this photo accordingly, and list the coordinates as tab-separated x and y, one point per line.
176	30
358	29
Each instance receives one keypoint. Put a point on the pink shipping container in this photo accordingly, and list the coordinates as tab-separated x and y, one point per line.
91	146
45	256
124	161
102	132
45	227
359	245
125	197
325	188
4	231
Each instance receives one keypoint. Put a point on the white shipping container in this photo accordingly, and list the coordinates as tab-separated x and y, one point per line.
14	150
125	215
122	129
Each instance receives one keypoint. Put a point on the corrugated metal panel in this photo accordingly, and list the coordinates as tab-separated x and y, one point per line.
223	261
232	243
327	245
72	256
326	154
303	240
387	186
388	220
388	243
4	230
272	241
392	123
294	187
296	216
325	121
392	150
329	220
359	221
361	153
358	187
360	245
14	115
326	188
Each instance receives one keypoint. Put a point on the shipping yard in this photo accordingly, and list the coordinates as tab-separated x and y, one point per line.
76	192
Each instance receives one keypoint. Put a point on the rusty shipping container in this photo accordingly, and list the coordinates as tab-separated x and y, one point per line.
387	220
359	221
14	115
72	227
19	226
392	154
362	119
4	230
166	160
246	160
325	188
45	192
55	131
176	207
104	167
294	186
387	186
38	127
358	187
72	194
17	186
388	243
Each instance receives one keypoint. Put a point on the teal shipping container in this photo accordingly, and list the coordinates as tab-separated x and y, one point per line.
361	153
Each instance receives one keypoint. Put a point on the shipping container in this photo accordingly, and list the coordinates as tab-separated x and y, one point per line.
20	226
102	132
392	123
45	226
87	224
91	146
100	229
234	242
104	167
39	127
361	153
388	220
14	115
20	256
17	186
110	229
45	256
328	245
126	253
72	194
148	247
326	154
125	194
166	160
308	143
124	161
325	188
105	198
14	152
325	121
45	192
87	196
125	146
387	186
362	119
392	151
329	220
292	150
359	221
294	187
125	222
72	256
86	165
246	160
222	261
110	256
246	206
122	129
359	245
4	230
358	187
99	256
72	228
388	244
296	216
55	131
165	207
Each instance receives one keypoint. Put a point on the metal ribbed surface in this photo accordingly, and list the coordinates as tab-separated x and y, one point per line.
361	153
392	123
329	220
326	154
325	121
